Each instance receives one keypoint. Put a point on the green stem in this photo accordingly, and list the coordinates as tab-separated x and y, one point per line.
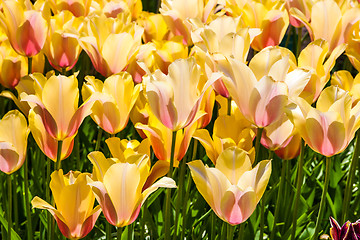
119	233
108	231
299	181
16	177
323	196
212	230
298	46
77	152
223	231
350	179
130	232
142	223
27	201
29	65
58	155
47	194
168	191
179	197
241	231
230	232
9	206
279	198
98	139
257	144
229	106
262	217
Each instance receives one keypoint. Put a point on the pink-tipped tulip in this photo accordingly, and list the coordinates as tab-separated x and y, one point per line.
233	188
13	141
74	200
25	25
348	231
119	186
119	96
175	98
328	128
56	102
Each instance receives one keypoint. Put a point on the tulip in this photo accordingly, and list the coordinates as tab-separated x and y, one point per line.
62	48
303	6
74	201
328	22
344	80
112	112
155	27
56	102
76	7
261	102
111	8
140	112
175	13
160	138
110	43
291	150
175	98
312	58
25	25
353	48
13	141
229	131
348	231
13	66
233	188
271	17
119	186
328	128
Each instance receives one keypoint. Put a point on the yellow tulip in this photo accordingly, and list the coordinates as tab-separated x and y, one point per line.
160	138
312	58
291	150
13	141
56	102
353	48
25	25
62	48
119	186
111	8
260	101
118	95
271	17
175	98
13	66
233	188
344	80
175	12
155	27
111	43
328	128
229	131
76	7
140	112
74	200
304	6
328	22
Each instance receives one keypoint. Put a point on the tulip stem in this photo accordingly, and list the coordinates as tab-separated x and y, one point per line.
350	179
29	65
241	231
168	191
213	220
229	106
298	46
299	181
27	202
262	217
323	196
119	232
278	200
257	144
47	193
9	206
58	155
98	139
179	199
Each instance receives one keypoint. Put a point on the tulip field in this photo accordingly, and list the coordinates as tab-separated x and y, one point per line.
179	119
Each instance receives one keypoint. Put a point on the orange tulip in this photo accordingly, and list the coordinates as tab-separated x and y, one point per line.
74	201
13	141
25	25
56	102
160	138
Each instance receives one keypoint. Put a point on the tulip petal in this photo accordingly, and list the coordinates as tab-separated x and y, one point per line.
9	158
164	182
